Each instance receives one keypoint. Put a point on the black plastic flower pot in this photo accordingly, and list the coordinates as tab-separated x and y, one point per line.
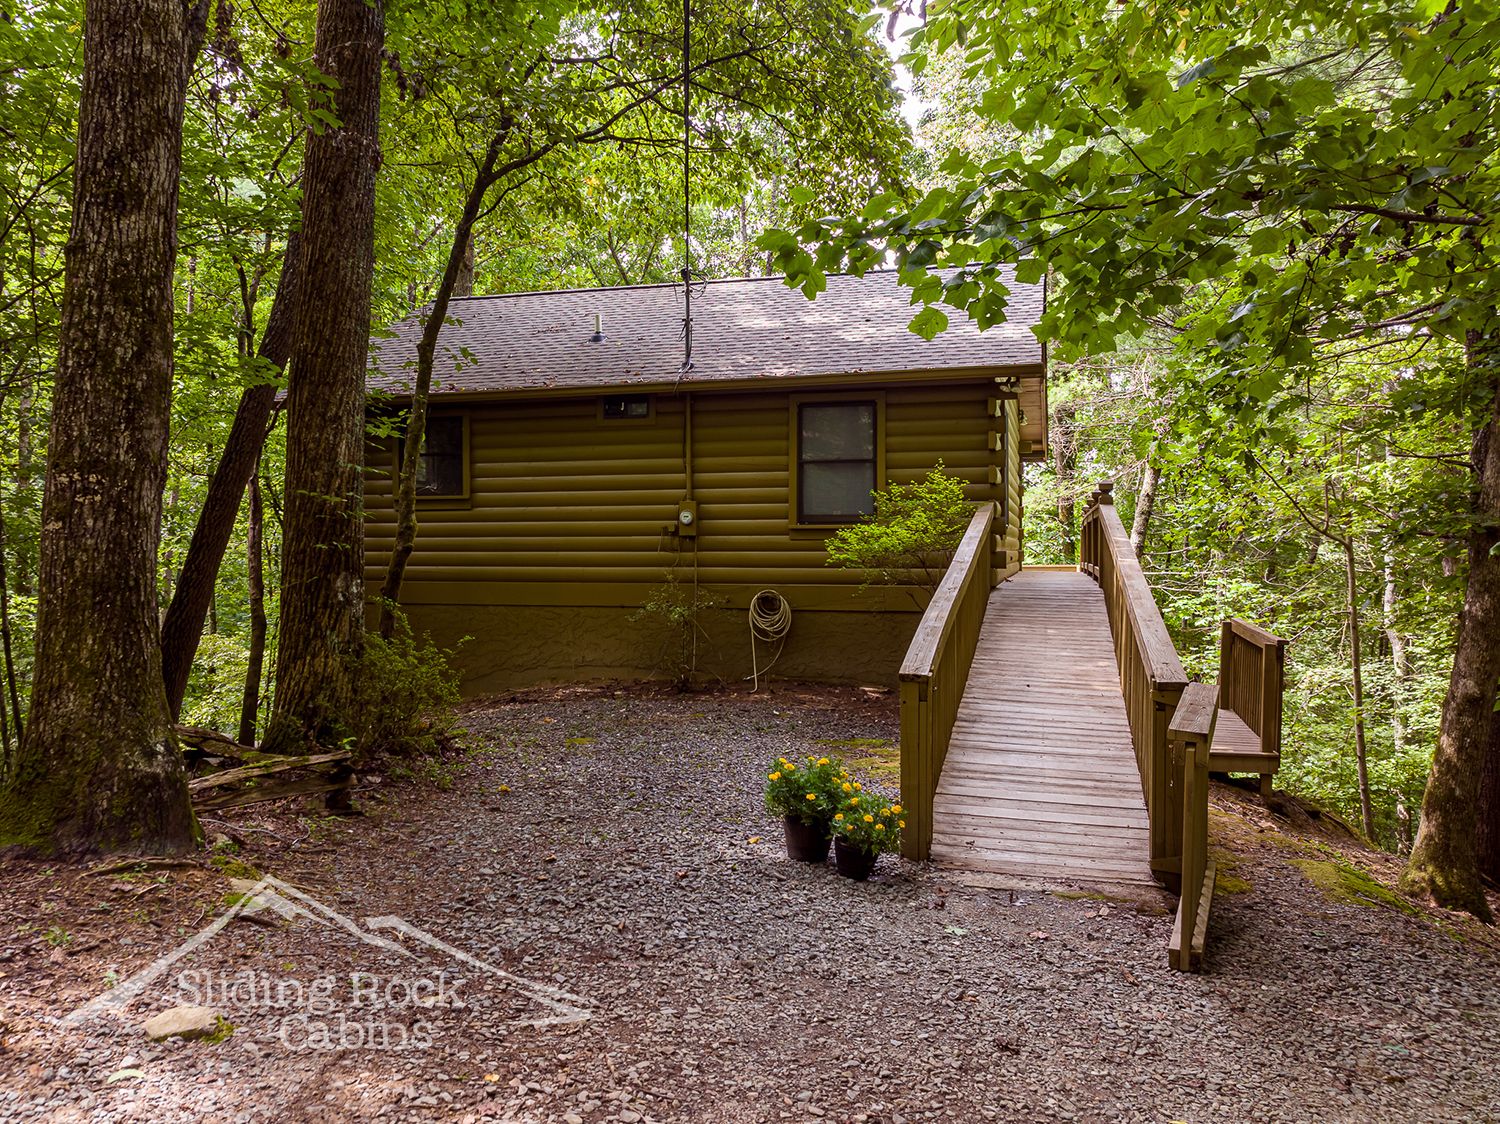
853	862
807	843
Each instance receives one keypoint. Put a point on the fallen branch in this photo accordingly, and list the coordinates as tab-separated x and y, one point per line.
264	768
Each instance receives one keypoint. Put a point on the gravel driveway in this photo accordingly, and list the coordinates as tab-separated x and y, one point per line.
613	847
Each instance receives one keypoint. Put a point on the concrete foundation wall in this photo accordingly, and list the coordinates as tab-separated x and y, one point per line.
514	646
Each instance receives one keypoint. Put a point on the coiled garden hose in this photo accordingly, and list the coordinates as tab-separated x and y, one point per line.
770	620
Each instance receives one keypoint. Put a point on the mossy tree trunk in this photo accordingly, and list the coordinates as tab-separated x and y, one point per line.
322	584
98	768
1488	836
1444	859
182	627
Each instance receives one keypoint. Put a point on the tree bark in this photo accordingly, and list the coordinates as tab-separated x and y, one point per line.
182	627
322	586
1487	839
98	768
1356	671
1145	502
416	419
255	563
1064	461
464	285
10	692
1444	859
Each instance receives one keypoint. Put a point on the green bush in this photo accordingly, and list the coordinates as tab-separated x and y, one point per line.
911	538
405	694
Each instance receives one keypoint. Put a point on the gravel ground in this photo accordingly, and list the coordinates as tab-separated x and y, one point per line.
612	845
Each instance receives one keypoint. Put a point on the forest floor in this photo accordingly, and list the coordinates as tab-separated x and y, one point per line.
609	848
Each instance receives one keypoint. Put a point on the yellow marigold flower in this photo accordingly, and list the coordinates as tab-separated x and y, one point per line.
773	776
848	787
869	818
810	760
838	816
895	809
900	823
822	760
812	795
880	827
854	803
858	787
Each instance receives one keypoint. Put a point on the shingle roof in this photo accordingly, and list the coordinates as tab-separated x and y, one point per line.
743	329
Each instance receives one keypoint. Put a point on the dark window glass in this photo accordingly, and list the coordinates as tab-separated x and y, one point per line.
440	468
631	406
835	462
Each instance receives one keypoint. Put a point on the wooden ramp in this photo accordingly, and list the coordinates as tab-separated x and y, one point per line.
1040	782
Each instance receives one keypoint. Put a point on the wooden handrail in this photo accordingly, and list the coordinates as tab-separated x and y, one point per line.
1190	736
1151	675
927	645
935	671
1252	665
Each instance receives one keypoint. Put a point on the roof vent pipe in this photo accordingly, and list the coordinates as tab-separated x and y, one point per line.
598	336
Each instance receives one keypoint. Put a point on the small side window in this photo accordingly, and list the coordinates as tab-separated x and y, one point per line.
440	468
626	407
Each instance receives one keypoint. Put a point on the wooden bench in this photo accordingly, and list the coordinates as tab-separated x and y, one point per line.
1247	733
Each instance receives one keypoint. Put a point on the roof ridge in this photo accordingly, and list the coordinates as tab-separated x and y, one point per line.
654	285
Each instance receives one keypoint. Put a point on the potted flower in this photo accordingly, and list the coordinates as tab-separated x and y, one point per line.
804	797
866	826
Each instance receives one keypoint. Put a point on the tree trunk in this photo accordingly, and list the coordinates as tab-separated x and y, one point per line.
1064	461
183	625
1487	839
1444	862
7	668
250	701
416	419
322	585
1145	501
10	692
1356	670
98	767
463	286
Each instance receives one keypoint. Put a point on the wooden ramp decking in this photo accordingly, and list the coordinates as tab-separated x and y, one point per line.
1040	782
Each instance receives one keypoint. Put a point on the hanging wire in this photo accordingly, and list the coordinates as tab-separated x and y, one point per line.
687	193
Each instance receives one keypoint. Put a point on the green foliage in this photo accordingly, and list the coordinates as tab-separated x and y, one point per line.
678	607
868	821
809	792
405	694
1308	172
217	685
912	535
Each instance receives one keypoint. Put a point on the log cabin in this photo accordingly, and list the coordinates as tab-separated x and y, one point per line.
580	487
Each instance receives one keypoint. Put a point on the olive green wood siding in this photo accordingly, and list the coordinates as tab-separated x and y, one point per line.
568	509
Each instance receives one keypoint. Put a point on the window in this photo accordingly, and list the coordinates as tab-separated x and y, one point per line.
634	406
441	469
836	461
